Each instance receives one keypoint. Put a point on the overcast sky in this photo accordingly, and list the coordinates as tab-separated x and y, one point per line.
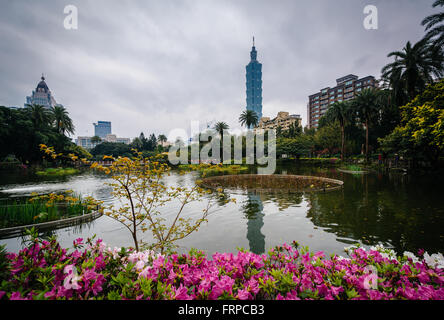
155	65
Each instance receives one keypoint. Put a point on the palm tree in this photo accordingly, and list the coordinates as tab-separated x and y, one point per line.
220	127
435	27
249	118
414	67
162	138
40	115
340	112
62	121
367	106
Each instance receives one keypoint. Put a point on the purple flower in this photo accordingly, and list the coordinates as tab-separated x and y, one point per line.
16	296
181	293
244	295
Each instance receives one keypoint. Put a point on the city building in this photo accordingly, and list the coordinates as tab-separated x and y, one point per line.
85	142
254	83
115	139
346	89
41	95
283	120
102	128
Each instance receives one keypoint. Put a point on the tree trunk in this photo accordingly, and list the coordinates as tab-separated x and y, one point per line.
366	140
342	143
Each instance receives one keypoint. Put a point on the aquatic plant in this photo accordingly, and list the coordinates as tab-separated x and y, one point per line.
51	172
215	170
44	208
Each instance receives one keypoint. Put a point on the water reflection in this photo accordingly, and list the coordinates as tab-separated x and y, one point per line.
402	211
253	208
388	209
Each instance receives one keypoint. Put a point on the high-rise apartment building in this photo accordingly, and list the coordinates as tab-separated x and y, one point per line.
346	89
254	84
283	120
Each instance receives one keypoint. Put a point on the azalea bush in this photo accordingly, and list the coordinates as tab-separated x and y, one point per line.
44	270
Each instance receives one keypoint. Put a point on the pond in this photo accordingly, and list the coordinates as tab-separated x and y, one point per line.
401	211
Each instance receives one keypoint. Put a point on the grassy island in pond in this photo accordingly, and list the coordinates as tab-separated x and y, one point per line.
51	172
214	170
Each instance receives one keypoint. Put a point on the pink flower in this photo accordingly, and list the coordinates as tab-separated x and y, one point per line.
181	293
423	277
78	242
71	279
16	296
253	286
336	290
244	295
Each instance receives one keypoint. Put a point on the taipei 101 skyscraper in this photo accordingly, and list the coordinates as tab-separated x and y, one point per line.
254	84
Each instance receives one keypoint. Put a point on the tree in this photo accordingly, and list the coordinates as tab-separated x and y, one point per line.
328	139
40	115
138	182
249	118
366	104
340	112
22	130
162	138
420	136
414	67
62	121
111	149
144	141
434	26
298	146
152	142
220	127
96	140
293	130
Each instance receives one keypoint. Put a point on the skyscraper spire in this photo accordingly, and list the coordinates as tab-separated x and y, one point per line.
254	83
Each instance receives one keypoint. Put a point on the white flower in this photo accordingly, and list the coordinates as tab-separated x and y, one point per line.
411	255
436	260
140	265
340	258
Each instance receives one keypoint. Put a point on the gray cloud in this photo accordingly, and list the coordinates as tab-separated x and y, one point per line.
156	65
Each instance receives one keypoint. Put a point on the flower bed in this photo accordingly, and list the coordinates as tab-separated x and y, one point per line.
44	270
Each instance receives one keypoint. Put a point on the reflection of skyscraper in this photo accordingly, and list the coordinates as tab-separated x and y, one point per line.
253	210
254	84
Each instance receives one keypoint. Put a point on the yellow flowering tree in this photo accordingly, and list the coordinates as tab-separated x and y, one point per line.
138	182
